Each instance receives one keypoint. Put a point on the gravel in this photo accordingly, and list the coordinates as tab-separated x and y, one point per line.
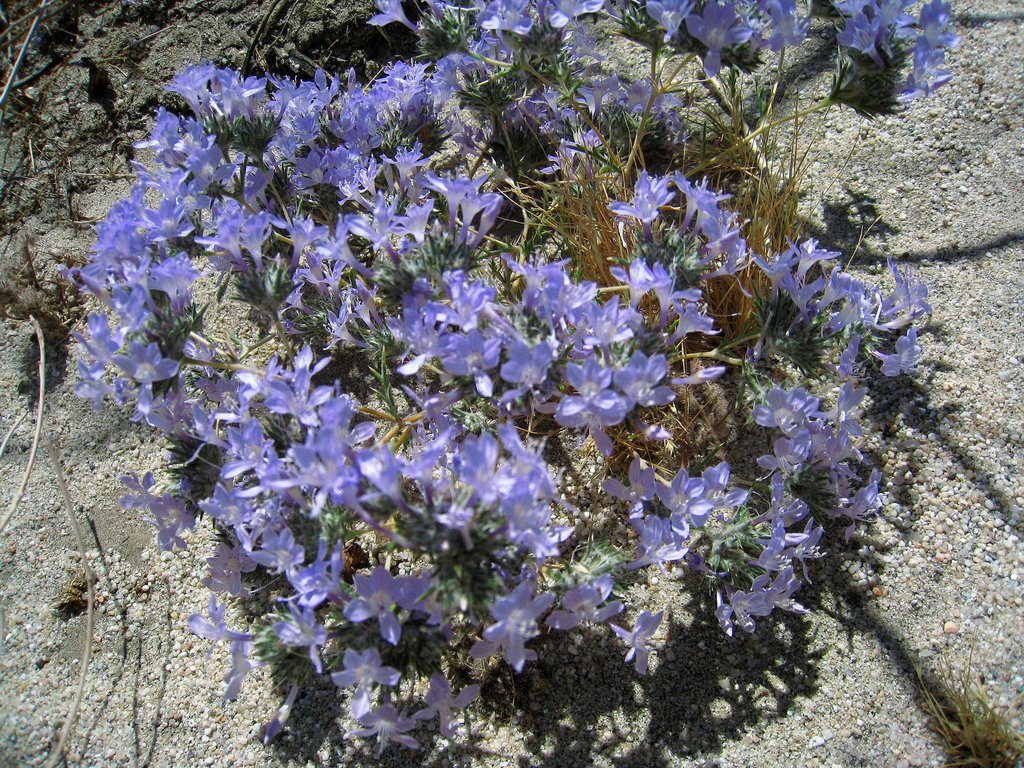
938	579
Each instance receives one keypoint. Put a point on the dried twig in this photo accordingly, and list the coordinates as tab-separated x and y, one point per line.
14	68
10	433
58	751
39	428
34	15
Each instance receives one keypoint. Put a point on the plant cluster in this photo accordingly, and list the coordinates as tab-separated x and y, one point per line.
567	277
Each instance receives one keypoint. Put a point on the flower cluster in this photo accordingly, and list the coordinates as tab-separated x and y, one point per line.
320	208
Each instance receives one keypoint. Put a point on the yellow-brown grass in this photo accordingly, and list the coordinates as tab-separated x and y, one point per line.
972	729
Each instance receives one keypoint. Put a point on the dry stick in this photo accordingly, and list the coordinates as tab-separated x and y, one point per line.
39	427
33	14
58	751
14	68
10	433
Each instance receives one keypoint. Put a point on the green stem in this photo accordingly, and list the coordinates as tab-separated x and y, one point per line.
283	336
657	91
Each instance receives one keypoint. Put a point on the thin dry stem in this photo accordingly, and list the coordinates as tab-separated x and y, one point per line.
16	499
971	728
14	69
10	432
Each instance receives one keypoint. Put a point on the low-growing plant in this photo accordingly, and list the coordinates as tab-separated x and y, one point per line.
975	731
573	276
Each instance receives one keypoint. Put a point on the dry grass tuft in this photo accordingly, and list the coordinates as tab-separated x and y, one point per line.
973	730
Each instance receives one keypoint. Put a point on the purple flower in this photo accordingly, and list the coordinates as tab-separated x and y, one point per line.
279	551
281	718
323	463
790	453
643	278
926	75
864	34
909	299
780	593
594	406
215	629
240	665
145	364
102	344
933	20
472	355
301	630
718	28
807	546
303	232
475	465
226	568
516	622
581	605
650	194
842	415
227	506
378	594
508	15
716	482
250	447
786	411
168	222
741	606
893	18
316	581
289	393
439	702
387	725
848	365
206	162
468	300
669	14
525	366
364	670
908	355
174	276
641	487
701	202
788	27
528	521
691	320
661	541
640	638
686	496
384	223
562	12
458	191
171	518
91	386
761	600
863	504
604	325
773	557
391	10
638	380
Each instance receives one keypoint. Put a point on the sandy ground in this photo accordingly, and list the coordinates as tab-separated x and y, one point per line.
936	580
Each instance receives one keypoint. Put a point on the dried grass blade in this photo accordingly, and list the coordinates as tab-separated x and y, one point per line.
16	500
